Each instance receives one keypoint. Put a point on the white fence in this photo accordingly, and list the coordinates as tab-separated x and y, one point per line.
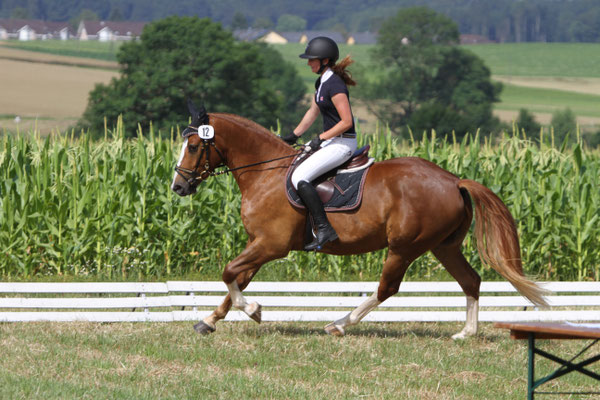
287	301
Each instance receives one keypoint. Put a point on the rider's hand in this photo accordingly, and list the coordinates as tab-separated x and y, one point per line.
290	138
314	144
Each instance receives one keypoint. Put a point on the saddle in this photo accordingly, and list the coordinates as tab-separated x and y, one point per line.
341	188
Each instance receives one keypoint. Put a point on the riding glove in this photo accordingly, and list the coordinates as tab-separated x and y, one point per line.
290	138
314	144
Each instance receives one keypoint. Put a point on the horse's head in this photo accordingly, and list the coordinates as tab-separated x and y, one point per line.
199	155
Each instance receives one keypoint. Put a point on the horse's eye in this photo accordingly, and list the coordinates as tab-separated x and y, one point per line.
192	148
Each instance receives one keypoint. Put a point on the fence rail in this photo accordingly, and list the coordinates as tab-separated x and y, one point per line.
287	301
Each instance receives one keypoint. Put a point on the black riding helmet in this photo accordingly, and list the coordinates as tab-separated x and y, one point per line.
322	47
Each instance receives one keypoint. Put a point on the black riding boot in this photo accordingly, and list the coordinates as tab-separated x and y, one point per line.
325	232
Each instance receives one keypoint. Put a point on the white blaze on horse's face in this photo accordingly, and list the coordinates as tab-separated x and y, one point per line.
183	147
205	132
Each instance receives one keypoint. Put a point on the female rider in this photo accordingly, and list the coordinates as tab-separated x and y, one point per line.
337	143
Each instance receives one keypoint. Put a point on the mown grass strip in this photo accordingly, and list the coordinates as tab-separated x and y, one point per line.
271	360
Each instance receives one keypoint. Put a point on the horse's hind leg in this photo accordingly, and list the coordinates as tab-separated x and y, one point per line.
393	271
460	269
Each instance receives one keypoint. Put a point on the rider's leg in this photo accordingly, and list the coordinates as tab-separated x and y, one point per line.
325	159
325	232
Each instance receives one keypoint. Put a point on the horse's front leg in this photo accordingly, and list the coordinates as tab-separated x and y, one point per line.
208	324
246	265
237	275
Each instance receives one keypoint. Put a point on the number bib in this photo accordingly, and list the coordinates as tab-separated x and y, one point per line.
206	132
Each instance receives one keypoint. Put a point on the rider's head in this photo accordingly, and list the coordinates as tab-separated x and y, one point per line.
322	48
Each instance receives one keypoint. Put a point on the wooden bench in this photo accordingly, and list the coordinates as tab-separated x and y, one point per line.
287	301
543	330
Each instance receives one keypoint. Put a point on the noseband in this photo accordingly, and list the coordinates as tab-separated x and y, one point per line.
192	175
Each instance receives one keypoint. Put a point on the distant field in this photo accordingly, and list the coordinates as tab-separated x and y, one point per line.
563	75
541	59
75	48
541	77
45	92
548	100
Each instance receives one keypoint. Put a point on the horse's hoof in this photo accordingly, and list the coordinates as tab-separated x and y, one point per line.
256	315
203	328
463	334
334	330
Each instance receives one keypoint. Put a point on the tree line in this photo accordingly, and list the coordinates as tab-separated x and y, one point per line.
414	84
499	20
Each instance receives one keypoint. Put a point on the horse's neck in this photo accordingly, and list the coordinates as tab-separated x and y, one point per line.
247	144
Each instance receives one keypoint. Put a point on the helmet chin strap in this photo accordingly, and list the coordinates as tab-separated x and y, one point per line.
322	67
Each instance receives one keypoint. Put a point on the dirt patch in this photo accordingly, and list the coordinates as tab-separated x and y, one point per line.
51	95
578	85
545	118
8	53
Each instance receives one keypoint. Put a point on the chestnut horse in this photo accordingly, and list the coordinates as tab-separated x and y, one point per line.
409	205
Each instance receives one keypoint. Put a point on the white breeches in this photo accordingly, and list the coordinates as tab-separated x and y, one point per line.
333	153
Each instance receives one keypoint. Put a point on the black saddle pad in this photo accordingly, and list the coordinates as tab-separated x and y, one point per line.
343	190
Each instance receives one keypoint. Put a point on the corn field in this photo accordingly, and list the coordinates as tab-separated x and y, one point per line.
75	207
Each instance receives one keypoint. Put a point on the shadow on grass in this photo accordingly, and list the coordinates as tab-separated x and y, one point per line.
372	330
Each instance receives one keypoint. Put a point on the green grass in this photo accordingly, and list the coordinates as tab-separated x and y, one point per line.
541	59
244	360
75	48
511	59
515	97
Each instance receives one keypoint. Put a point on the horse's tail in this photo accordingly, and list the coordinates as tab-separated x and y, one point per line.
498	240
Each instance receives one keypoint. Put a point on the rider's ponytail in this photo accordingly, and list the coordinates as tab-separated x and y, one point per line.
340	69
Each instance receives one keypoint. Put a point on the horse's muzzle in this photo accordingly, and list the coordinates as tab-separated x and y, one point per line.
184	189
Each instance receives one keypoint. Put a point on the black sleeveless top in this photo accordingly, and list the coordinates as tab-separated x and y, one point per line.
332	86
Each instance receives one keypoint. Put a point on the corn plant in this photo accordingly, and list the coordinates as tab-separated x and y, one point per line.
72	206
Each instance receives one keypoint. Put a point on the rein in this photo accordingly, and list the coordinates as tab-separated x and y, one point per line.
207	172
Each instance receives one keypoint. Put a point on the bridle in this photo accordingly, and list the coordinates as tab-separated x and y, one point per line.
193	176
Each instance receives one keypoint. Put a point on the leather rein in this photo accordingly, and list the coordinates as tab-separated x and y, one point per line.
193	175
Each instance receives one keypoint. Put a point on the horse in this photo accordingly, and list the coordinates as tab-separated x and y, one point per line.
409	206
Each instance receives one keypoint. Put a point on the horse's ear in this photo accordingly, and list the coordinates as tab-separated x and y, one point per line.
192	108
199	116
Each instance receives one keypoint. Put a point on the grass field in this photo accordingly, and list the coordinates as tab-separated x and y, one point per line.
82	49
513	64
270	361
541	59
516	97
562	75
44	90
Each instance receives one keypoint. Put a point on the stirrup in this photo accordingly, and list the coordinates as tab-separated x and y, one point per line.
324	235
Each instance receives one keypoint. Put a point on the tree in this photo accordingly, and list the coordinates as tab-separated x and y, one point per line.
423	81
526	122
84	15
564	125
187	57
116	14
20	13
288	23
239	21
262	23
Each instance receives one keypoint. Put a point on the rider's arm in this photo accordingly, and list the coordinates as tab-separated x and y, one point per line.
342	105
309	117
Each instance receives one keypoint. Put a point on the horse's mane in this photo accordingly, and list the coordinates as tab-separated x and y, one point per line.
249	124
